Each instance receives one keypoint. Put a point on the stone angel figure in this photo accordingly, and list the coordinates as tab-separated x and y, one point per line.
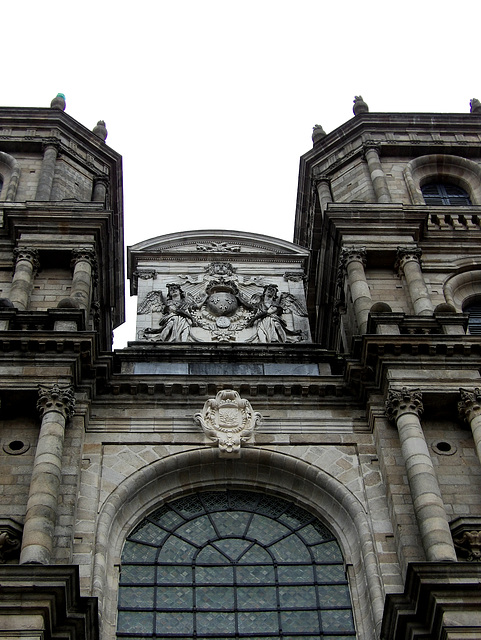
269	307
177	319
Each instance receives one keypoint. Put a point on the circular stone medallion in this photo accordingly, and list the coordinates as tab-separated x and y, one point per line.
222	322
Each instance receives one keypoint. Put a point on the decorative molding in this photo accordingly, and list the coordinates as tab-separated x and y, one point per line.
466	534
148	274
294	276
25	253
403	401
10	540
56	398
218	247
470	404
229	421
406	254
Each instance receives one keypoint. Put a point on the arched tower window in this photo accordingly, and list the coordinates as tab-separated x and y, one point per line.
233	564
442	193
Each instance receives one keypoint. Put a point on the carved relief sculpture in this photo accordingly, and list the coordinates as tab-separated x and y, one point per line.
228	420
222	306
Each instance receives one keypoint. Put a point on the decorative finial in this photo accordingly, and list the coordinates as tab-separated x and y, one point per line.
100	130
475	105
58	102
359	106
317	134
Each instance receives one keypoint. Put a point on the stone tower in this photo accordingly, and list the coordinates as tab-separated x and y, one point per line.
290	446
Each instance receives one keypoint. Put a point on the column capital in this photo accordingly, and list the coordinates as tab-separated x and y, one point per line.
370	145
407	254
49	143
320	178
26	253
101	179
86	254
348	255
469	406
56	398
353	254
403	401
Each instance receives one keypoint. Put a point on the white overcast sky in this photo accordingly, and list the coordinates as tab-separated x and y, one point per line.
212	102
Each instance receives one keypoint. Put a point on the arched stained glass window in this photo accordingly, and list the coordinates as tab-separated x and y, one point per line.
441	193
234	564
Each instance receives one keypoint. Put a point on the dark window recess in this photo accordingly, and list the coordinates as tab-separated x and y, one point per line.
233	564
474	322
439	193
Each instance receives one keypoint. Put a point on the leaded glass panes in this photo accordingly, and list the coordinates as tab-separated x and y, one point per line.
443	193
232	565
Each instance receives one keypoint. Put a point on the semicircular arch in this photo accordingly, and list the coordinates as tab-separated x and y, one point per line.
443	167
258	470
463	287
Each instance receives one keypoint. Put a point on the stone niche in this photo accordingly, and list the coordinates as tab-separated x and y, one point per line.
220	287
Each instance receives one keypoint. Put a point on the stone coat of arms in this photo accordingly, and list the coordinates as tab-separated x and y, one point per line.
228	420
222	307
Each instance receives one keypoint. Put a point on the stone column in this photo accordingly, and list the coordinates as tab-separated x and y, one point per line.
404	408
323	191
55	405
84	263
378	178
409	263
47	171
26	266
99	192
469	409
353	260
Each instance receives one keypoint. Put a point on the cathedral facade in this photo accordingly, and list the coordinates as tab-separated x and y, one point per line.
290	447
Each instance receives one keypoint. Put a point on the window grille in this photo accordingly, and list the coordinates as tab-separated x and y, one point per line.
474	322
233	564
439	193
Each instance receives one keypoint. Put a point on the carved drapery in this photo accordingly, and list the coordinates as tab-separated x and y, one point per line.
55	405
404	407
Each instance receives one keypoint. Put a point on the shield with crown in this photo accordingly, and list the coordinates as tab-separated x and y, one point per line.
228	420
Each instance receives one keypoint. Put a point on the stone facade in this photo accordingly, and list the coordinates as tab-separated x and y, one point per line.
330	384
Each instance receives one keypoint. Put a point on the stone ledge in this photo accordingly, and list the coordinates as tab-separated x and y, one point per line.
441	601
45	600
